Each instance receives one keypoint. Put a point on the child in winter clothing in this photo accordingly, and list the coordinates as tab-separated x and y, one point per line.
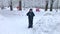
30	15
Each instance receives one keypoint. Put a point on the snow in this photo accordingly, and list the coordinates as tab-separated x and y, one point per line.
16	22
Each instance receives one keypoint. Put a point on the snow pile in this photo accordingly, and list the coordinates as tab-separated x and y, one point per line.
48	24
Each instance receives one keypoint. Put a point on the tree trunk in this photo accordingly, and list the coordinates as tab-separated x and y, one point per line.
20	5
46	6
11	8
2	7
51	6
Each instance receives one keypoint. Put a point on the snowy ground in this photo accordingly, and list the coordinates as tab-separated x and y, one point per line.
16	22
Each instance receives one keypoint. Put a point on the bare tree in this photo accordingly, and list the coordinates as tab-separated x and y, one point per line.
11	8
20	5
2	6
57	5
46	7
51	5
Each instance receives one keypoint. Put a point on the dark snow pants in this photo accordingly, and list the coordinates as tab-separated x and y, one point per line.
30	22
